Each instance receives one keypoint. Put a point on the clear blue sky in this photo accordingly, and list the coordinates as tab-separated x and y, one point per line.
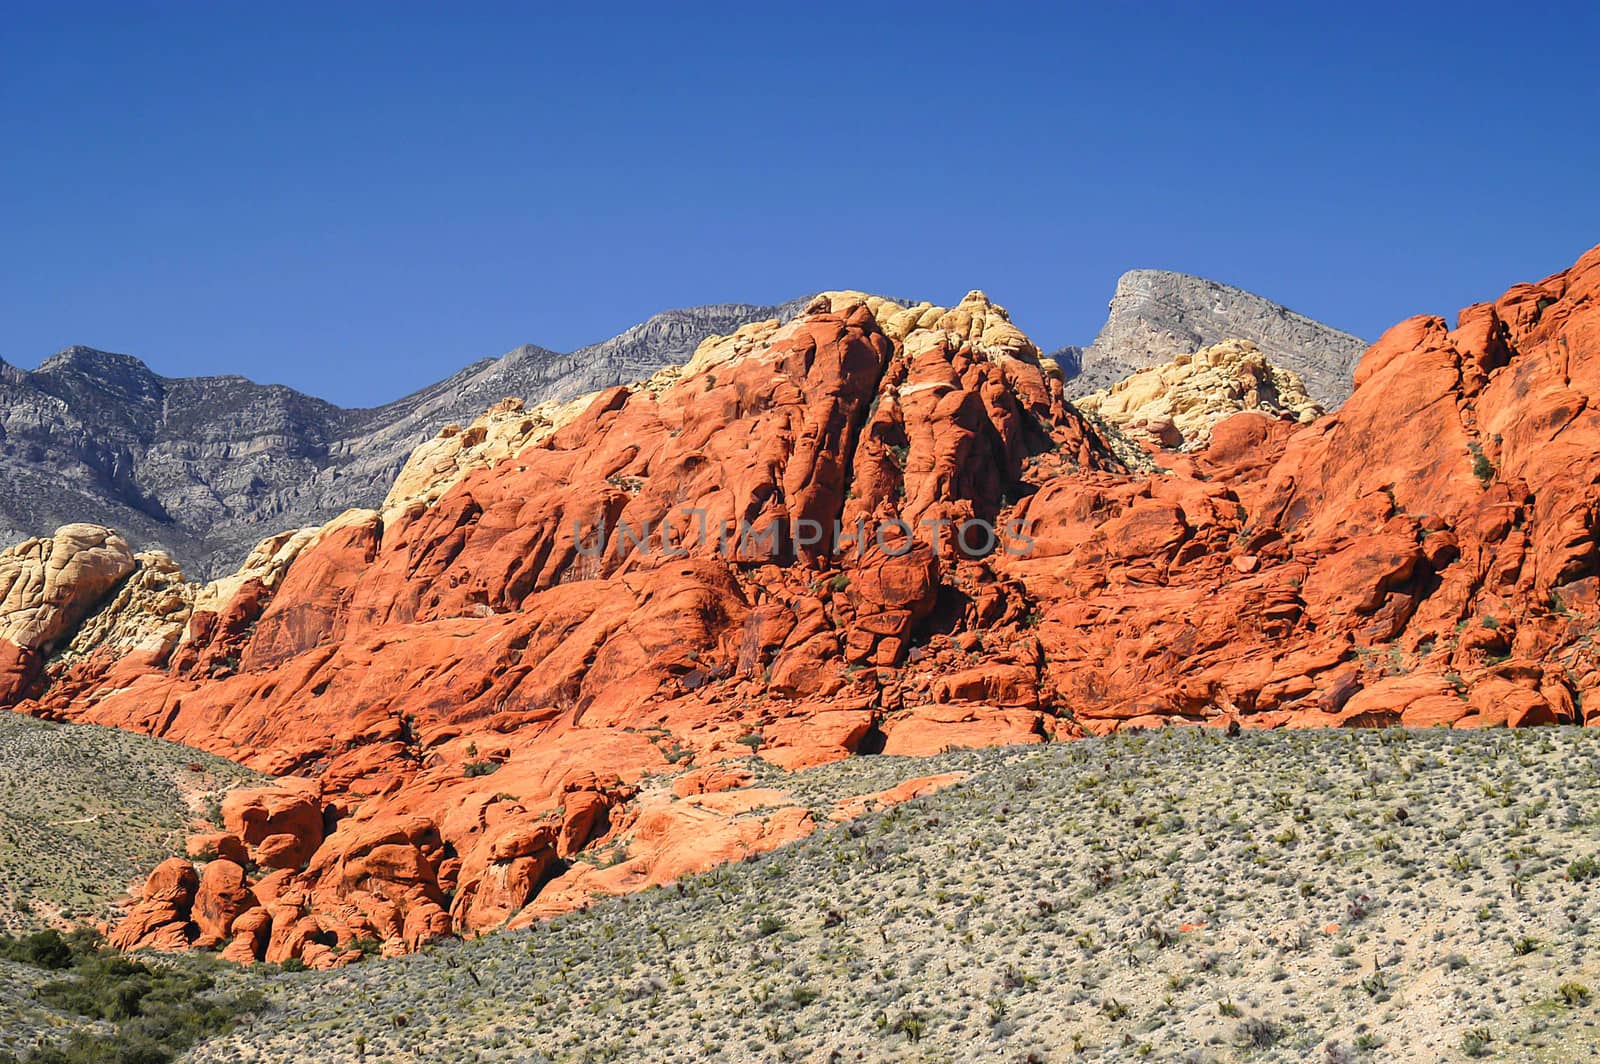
356	199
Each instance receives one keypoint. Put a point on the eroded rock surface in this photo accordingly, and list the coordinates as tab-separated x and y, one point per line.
1157	315
1178	403
47	588
527	680
202	467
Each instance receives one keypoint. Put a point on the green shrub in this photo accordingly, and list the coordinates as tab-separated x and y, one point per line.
42	949
367	946
1482	468
155	1012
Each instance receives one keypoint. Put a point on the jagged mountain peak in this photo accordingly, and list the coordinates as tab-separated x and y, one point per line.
1156	315
205	466
91	361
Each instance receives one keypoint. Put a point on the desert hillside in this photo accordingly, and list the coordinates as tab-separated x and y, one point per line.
521	685
1290	896
1342	896
85	811
472	685
1066	583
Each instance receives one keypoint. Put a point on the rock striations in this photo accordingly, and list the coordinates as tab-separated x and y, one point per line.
527	680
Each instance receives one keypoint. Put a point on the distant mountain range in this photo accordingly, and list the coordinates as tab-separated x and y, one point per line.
204	467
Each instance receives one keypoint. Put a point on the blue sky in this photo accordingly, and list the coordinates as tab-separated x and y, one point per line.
357	199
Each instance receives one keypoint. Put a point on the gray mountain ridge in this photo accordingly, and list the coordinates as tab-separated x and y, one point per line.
205	467
1157	314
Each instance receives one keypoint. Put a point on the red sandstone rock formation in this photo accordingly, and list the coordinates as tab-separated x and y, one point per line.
1425	556
493	712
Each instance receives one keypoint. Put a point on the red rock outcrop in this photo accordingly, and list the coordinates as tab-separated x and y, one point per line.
160	919
1424	556
530	681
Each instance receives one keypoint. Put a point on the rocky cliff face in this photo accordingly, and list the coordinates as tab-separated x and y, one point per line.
464	647
1156	315
526	681
205	467
202	468
1178	403
170	462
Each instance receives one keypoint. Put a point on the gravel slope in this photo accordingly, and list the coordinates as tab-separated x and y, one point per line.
1377	895
85	811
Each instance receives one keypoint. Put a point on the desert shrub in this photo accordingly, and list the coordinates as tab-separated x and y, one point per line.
1482	468
1257	1033
47	949
155	1012
1574	994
